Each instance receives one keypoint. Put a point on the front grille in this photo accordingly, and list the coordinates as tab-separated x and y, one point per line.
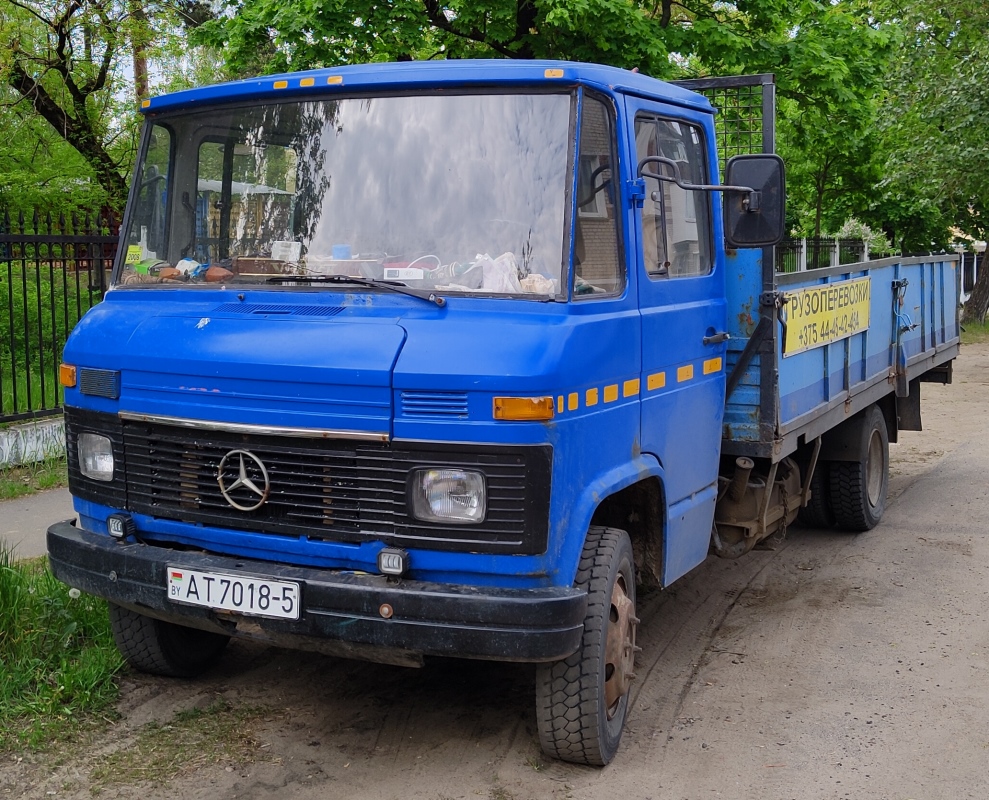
332	489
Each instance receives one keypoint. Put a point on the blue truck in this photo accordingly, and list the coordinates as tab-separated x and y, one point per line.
445	359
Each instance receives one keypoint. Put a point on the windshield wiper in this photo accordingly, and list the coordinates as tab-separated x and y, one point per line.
395	286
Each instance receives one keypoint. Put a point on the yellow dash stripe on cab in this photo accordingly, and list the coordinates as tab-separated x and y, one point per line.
553	73
573	400
307	82
281	84
656	381
685	373
591	398
559	404
712	365
334	80
630	388
611	393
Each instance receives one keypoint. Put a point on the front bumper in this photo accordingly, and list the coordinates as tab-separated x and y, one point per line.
337	607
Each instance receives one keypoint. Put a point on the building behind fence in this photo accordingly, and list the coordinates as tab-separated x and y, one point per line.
52	269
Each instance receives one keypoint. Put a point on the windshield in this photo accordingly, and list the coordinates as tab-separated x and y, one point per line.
455	193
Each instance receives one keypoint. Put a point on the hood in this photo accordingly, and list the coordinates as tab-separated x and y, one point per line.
288	366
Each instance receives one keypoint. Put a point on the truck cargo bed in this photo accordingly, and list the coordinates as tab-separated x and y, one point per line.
797	369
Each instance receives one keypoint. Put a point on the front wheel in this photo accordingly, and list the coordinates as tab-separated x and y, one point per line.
582	701
164	648
858	488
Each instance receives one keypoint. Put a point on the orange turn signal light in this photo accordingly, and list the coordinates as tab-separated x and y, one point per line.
523	408
67	375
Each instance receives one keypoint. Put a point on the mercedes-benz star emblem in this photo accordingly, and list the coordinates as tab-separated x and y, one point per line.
241	471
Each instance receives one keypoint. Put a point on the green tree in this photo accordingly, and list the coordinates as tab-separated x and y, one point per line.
938	90
61	59
38	169
274	35
74	67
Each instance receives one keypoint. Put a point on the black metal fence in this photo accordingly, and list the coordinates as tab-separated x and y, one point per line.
819	253
52	270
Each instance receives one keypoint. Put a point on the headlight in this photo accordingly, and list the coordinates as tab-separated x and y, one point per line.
95	457
448	495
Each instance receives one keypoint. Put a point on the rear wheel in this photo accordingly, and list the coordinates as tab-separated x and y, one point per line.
582	701
164	648
818	512
858	488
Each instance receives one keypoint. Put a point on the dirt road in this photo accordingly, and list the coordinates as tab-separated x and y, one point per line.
834	666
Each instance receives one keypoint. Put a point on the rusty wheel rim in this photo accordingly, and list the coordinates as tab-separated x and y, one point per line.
619	653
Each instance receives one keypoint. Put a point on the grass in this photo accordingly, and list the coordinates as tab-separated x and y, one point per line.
975	332
30	478
58	661
193	739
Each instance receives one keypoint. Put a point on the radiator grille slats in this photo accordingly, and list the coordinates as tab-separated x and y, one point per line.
332	489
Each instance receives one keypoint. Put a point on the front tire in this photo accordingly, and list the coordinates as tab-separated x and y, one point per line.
164	648
858	488
582	701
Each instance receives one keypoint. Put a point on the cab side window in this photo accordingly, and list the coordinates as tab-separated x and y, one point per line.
676	223
598	266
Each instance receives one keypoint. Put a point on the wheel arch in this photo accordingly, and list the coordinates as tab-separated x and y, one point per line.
631	497
847	442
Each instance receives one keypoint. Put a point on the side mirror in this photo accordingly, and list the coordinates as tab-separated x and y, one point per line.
756	218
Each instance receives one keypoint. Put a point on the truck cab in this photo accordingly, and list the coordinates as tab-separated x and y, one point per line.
409	360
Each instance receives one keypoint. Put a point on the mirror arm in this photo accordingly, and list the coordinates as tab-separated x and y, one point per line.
696	187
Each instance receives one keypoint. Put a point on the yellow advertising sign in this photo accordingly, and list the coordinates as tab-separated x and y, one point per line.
819	315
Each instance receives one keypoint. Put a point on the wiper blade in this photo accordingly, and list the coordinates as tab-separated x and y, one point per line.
395	286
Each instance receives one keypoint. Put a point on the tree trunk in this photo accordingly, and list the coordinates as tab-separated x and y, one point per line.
77	130
139	32
978	302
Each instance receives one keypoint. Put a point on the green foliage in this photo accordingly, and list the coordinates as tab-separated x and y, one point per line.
274	35
855	229
57	657
938	88
39	170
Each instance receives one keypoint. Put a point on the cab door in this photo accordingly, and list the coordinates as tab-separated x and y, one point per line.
681	287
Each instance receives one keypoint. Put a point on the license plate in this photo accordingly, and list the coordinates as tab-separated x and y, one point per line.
241	593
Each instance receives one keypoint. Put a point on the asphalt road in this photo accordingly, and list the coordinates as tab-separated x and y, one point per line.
24	521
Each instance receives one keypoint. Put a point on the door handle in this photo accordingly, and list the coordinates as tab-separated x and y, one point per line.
717	338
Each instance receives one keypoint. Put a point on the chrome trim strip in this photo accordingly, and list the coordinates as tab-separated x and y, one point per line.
264	430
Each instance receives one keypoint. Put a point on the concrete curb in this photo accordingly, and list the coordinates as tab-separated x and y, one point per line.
32	441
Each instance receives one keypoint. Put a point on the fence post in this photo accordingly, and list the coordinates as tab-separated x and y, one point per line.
802	256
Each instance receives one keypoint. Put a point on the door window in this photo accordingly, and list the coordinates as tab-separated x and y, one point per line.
597	263
676	223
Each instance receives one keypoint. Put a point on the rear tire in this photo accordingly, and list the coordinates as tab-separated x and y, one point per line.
818	512
582	701
164	648
858	488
